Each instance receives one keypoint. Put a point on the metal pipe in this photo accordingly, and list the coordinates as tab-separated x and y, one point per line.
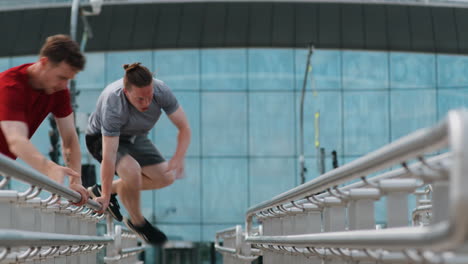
46	252
392	238
301	118
30	176
65	251
33	195
35	251
18	238
227	230
422	209
412	145
441	236
25	254
4	182
225	249
74	18
4	253
356	191
132	250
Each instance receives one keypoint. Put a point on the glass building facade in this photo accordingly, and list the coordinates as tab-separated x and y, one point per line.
243	108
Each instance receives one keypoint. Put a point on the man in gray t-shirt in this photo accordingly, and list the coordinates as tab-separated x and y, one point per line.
117	137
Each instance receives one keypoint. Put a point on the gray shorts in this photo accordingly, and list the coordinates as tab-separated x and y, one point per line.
138	147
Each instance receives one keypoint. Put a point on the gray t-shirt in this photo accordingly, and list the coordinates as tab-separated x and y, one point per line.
115	115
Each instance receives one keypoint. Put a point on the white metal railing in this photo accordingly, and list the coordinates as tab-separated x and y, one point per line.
124	249
39	246
329	220
52	228
234	247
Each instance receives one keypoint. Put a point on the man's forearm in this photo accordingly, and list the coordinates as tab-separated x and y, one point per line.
183	142
25	150
107	175
72	158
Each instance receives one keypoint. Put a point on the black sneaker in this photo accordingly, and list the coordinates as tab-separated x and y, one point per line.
114	207
147	232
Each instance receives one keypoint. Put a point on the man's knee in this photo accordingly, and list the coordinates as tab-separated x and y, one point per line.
130	174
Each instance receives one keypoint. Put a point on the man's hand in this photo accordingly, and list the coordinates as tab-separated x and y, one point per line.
58	173
104	201
82	191
177	166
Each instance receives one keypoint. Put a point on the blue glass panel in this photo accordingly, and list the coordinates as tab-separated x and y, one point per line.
453	98
271	69
452	71
180	69
270	177
116	60
326	105
412	70
271	123
41	139
224	123
181	232
209	231
380	211
366	121
180	202
365	70
87	100
147	203
325	72
19	185
312	166
224	185
4	64
165	133
224	69
16	61
411	110
93	76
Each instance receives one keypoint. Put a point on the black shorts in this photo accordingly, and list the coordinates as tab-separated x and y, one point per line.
138	147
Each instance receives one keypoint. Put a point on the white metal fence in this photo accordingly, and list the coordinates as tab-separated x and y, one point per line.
331	218
51	229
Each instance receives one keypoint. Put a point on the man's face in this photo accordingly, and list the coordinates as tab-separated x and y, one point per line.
140	97
54	77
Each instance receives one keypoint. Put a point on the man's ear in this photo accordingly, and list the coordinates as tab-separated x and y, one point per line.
43	61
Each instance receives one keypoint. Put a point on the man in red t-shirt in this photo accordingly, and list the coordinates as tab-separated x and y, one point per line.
28	93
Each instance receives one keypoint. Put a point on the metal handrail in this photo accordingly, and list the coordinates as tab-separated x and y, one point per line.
35	178
412	145
132	250
18	238
441	161
441	236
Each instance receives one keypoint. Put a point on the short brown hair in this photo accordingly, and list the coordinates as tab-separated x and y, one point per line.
137	74
60	48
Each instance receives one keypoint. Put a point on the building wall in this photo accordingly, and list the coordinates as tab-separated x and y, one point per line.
243	107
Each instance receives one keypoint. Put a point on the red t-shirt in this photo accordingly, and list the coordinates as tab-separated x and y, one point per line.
20	102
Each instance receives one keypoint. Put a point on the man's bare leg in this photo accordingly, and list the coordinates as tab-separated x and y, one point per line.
153	177
129	187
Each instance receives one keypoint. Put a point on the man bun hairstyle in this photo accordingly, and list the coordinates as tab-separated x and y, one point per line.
60	48
137	75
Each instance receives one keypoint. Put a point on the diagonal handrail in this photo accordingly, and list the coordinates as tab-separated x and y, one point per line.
34	178
453	131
